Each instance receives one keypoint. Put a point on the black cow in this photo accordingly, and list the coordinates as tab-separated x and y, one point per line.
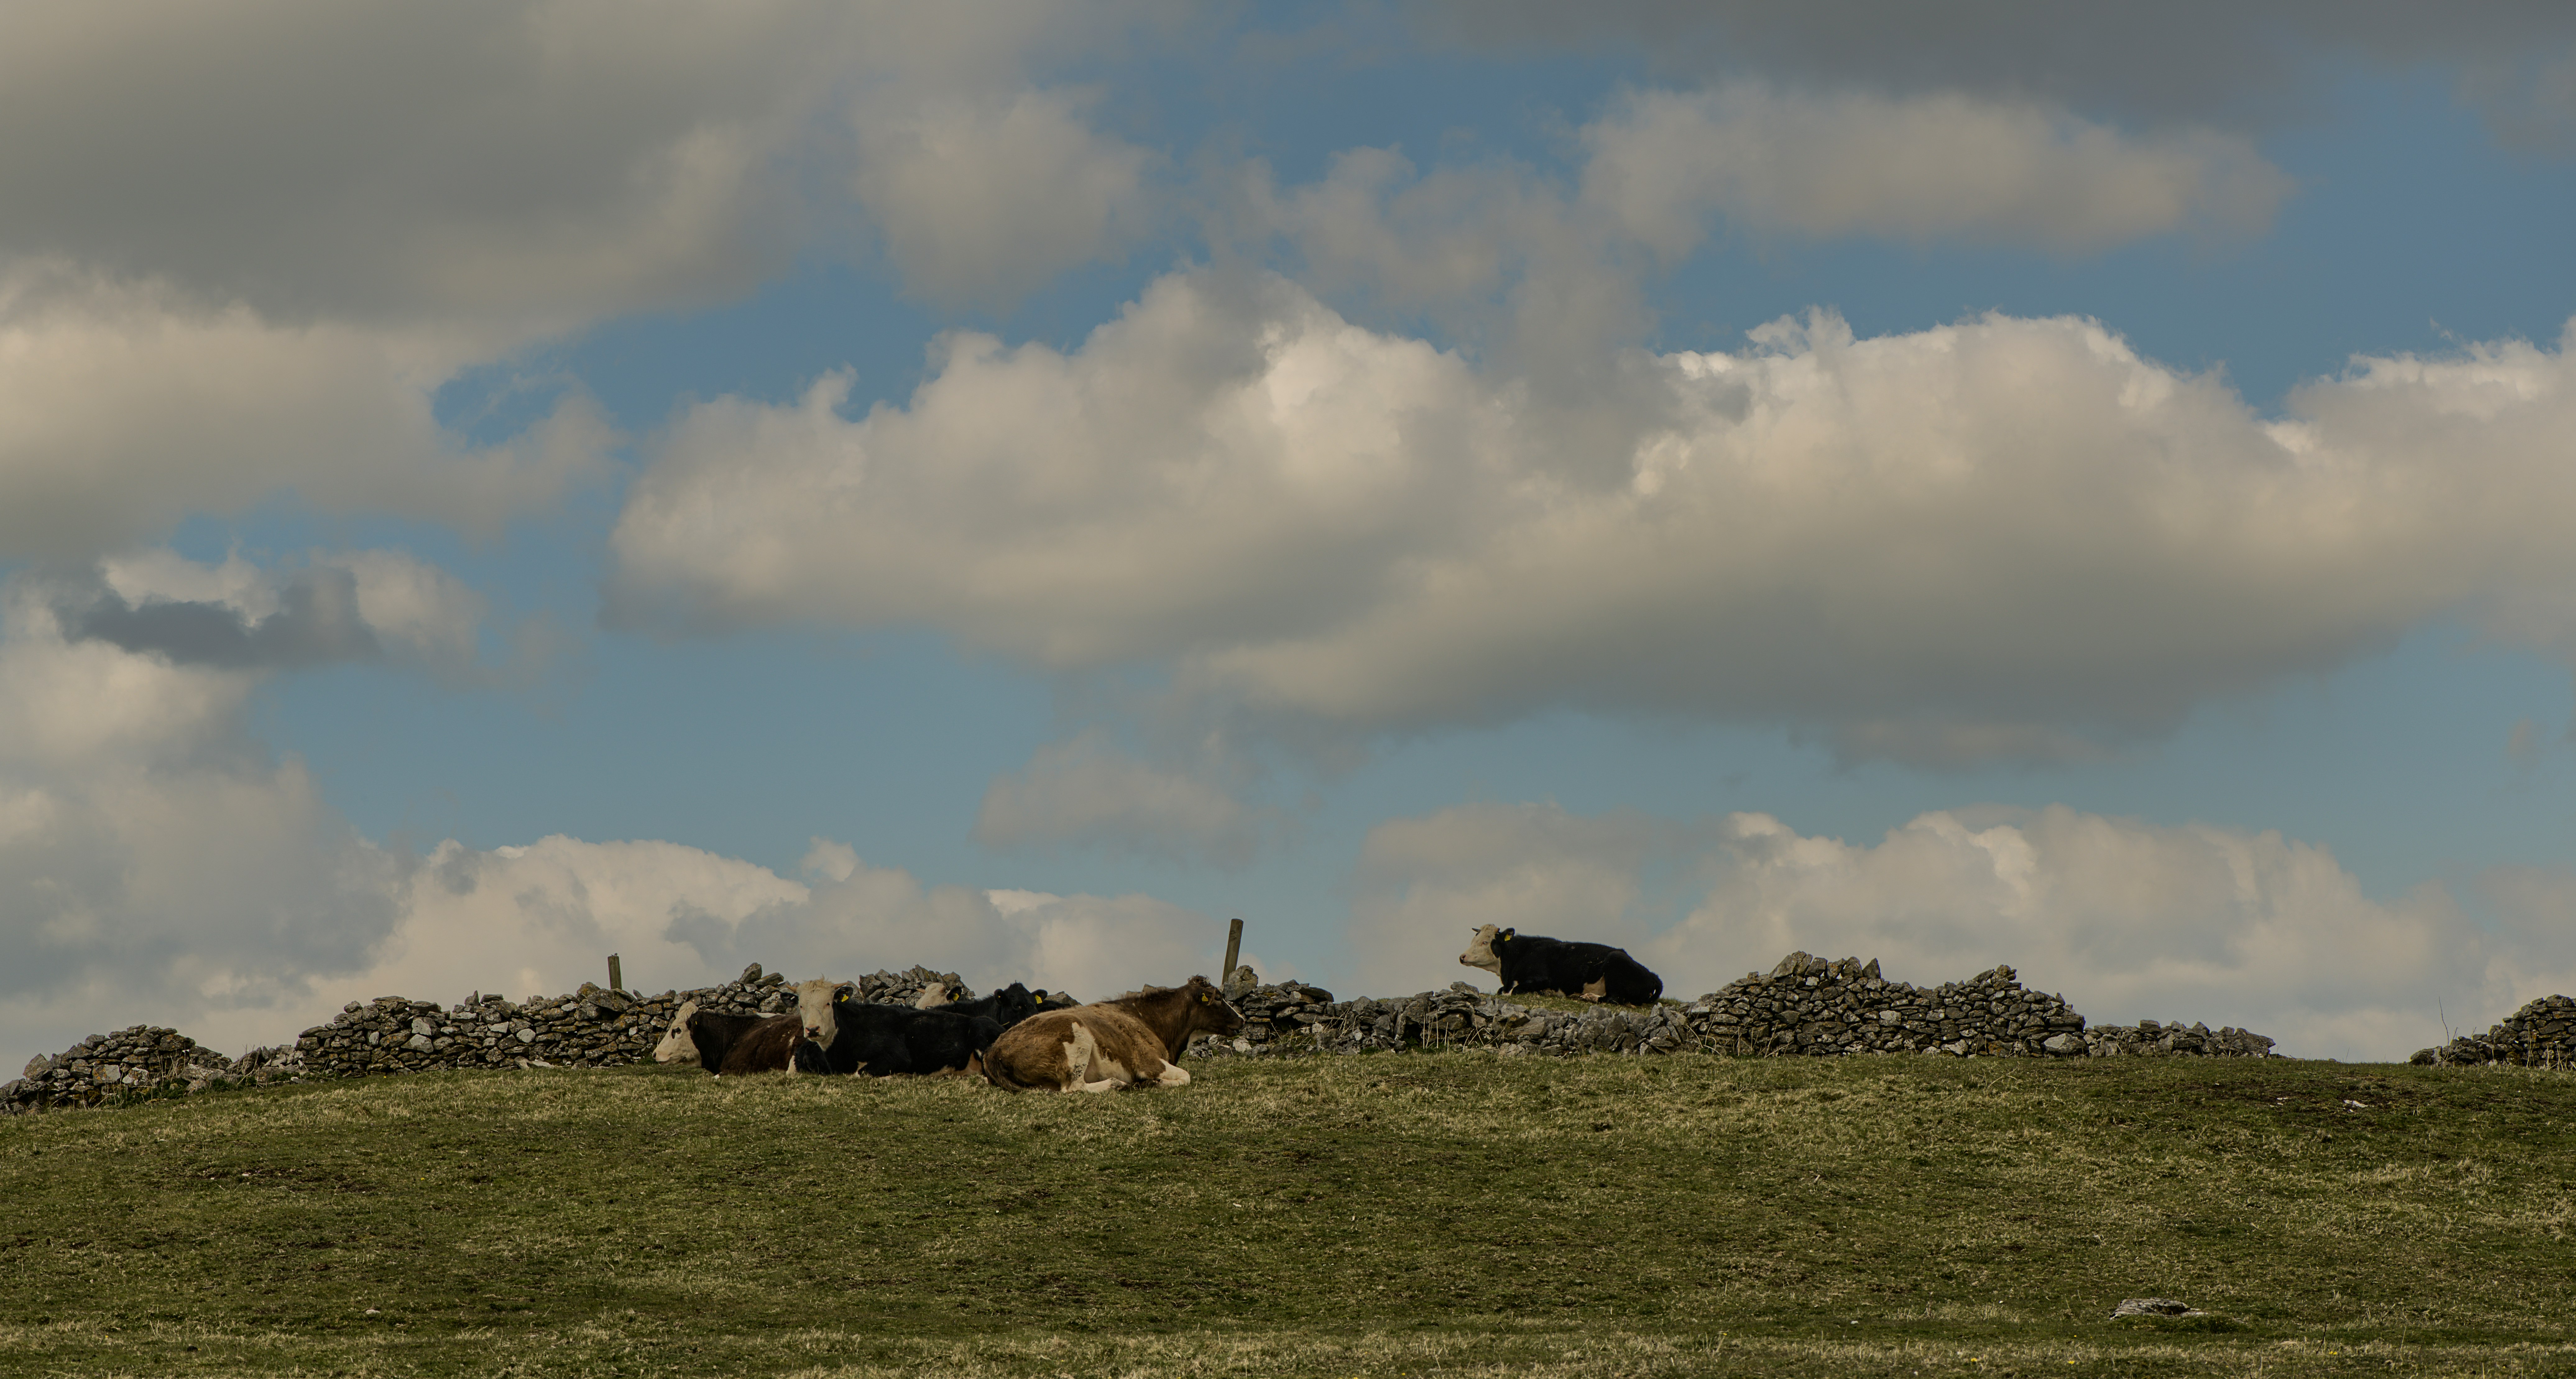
1006	1007
707	1036
1592	971
857	1036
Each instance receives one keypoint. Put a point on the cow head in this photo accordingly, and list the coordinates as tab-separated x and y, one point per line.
935	994
1209	1011
676	1045
815	1001
1481	952
1015	1003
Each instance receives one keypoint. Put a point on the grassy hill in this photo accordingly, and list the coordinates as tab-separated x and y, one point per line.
1456	1214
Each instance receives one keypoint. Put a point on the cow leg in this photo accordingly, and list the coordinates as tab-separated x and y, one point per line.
1080	1047
1172	1075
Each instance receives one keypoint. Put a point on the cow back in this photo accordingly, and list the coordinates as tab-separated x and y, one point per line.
767	1047
714	1034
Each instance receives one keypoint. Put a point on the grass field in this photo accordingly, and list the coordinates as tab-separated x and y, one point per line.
1448	1214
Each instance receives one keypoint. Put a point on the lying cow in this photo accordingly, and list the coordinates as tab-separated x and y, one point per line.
732	1043
1133	1041
854	1036
1006	1007
1591	971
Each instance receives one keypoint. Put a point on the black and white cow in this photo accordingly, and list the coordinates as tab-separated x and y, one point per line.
1591	971
856	1036
724	1044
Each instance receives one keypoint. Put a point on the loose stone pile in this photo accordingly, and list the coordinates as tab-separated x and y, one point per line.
2151	1038
144	1058
2540	1035
1806	1005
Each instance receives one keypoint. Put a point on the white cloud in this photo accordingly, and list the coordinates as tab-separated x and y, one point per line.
1088	793
163	871
982	202
124	409
155	859
2003	537
2126	919
1222	460
1424	885
1943	166
544	917
2534	952
883	917
127	408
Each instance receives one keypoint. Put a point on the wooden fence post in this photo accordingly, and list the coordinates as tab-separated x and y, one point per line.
1233	949
616	981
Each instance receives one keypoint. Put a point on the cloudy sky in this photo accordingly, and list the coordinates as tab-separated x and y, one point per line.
1011	486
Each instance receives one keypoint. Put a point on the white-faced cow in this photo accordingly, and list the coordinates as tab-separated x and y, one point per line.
1591	971
1133	1041
854	1036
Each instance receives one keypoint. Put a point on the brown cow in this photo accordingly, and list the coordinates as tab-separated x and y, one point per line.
1135	1040
768	1047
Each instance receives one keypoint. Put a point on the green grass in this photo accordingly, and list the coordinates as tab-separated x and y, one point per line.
1452	1214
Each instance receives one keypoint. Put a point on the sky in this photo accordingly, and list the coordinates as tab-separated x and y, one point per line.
1011	486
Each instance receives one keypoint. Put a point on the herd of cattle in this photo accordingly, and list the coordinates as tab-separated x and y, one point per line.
1023	1040
1015	1038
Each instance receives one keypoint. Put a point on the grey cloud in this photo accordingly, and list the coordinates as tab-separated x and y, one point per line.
317	622
507	165
2223	61
1089	793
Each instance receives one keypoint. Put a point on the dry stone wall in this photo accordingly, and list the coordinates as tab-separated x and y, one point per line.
1804	1006
2540	1035
589	1028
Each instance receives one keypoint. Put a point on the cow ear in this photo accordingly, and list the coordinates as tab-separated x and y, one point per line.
1206	999
1507	933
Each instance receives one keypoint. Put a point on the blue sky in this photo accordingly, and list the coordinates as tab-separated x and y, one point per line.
1012	487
